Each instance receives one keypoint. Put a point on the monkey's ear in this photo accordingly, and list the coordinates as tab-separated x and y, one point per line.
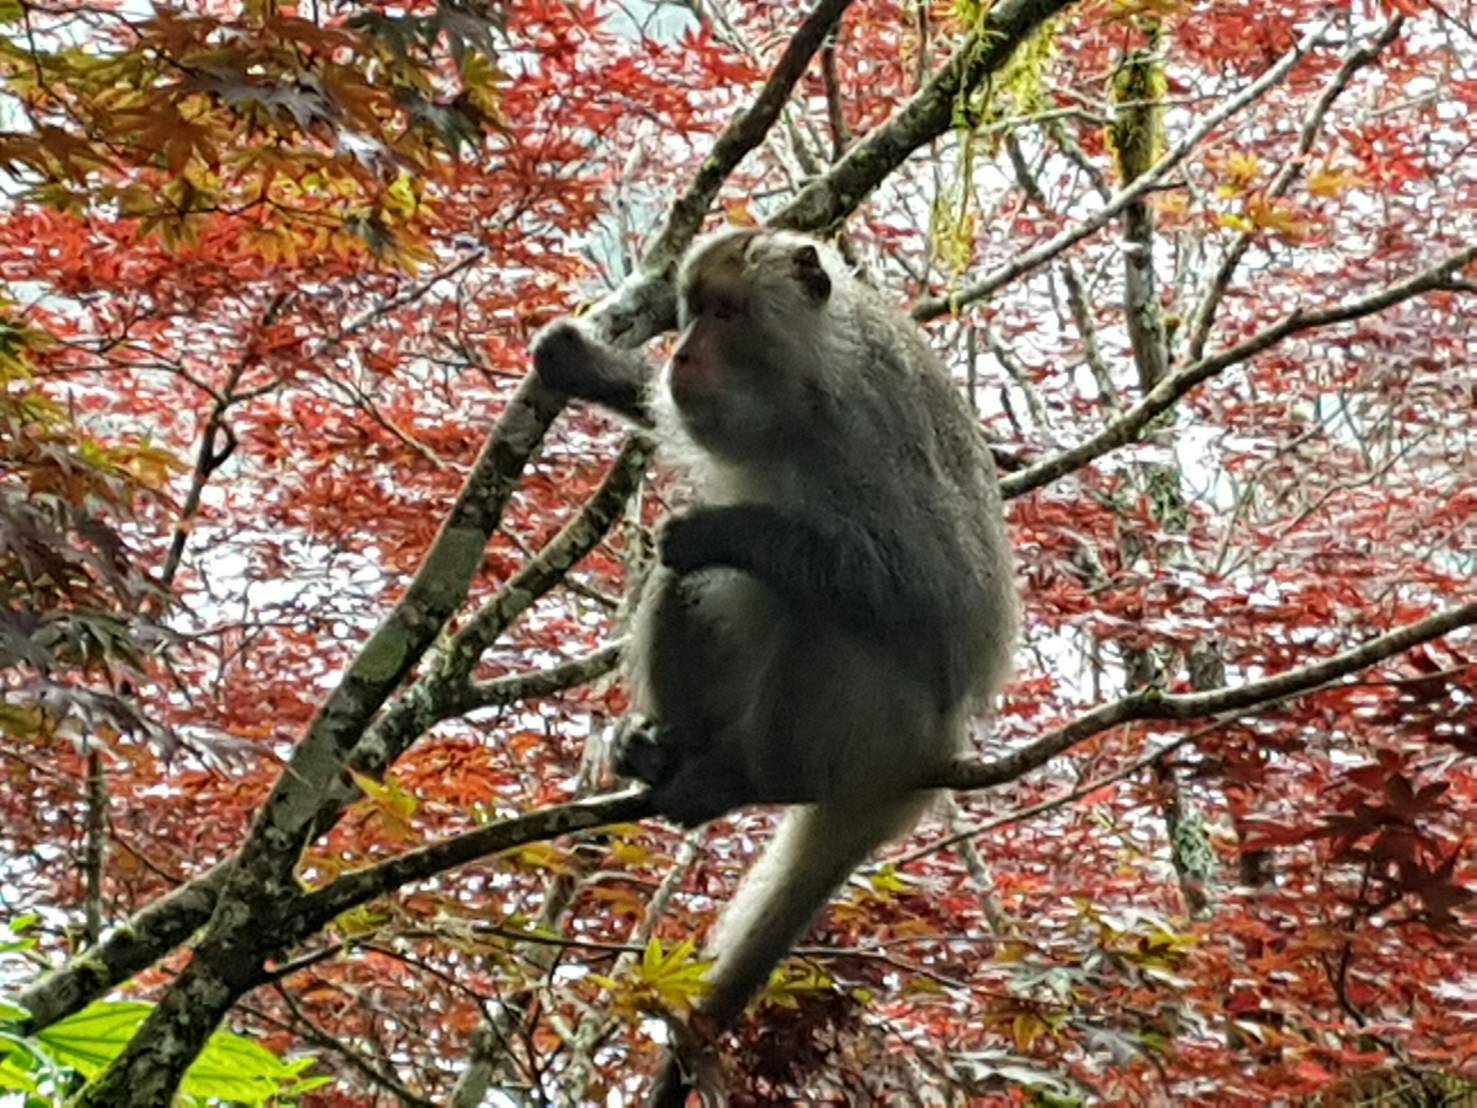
811	274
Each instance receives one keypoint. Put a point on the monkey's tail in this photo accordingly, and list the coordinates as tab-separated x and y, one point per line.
813	851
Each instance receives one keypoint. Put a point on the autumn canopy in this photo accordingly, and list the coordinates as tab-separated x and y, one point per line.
311	597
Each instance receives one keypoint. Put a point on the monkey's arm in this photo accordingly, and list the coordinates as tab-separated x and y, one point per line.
571	361
825	564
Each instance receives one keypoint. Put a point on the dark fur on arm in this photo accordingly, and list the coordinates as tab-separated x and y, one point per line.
572	362
825	565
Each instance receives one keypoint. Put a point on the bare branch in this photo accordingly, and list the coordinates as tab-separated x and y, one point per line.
1020	815
515	687
933	307
1137	123
743	133
1164	395
317	908
353	889
1152	704
1291	170
835	110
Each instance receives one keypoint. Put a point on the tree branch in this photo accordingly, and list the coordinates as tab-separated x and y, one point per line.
124	951
1164	395
933	307
515	687
315	909
1152	704
831	197
744	132
351	890
1357	58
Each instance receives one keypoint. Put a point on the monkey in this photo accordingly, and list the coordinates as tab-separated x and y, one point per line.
833	605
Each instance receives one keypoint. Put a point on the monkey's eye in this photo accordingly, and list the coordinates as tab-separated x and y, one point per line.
725	310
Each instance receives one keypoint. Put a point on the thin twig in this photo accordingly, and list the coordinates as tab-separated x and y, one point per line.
1021	264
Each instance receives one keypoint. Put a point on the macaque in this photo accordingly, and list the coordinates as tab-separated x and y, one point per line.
836	601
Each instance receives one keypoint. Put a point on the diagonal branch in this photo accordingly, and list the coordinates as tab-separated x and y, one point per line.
516	687
442	692
317	908
835	194
1152	704
744	132
1357	58
933	307
1164	395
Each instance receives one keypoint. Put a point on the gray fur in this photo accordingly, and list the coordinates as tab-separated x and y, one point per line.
838	599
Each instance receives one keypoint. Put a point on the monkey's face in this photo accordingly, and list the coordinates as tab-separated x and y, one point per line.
752	306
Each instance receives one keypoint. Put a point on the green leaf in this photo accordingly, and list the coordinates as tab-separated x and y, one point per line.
231	1067
93	1037
16	1079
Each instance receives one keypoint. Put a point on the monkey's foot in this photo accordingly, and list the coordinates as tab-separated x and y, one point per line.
700	789
641	749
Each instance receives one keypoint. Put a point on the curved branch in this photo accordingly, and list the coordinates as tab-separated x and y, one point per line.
317	908
1164	395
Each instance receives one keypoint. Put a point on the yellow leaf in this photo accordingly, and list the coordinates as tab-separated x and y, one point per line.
738	212
918	983
1242	167
361	920
481	77
1277	216
544	856
793	979
631	854
887	879
1330	181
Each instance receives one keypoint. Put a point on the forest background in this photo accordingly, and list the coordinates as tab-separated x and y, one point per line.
312	597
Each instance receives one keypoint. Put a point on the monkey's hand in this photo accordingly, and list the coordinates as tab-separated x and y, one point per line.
562	356
690	783
638	750
828	566
778	548
570	360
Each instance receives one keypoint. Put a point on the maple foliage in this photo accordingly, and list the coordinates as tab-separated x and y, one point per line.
1205	271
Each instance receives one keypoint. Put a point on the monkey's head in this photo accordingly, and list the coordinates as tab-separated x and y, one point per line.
756	309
